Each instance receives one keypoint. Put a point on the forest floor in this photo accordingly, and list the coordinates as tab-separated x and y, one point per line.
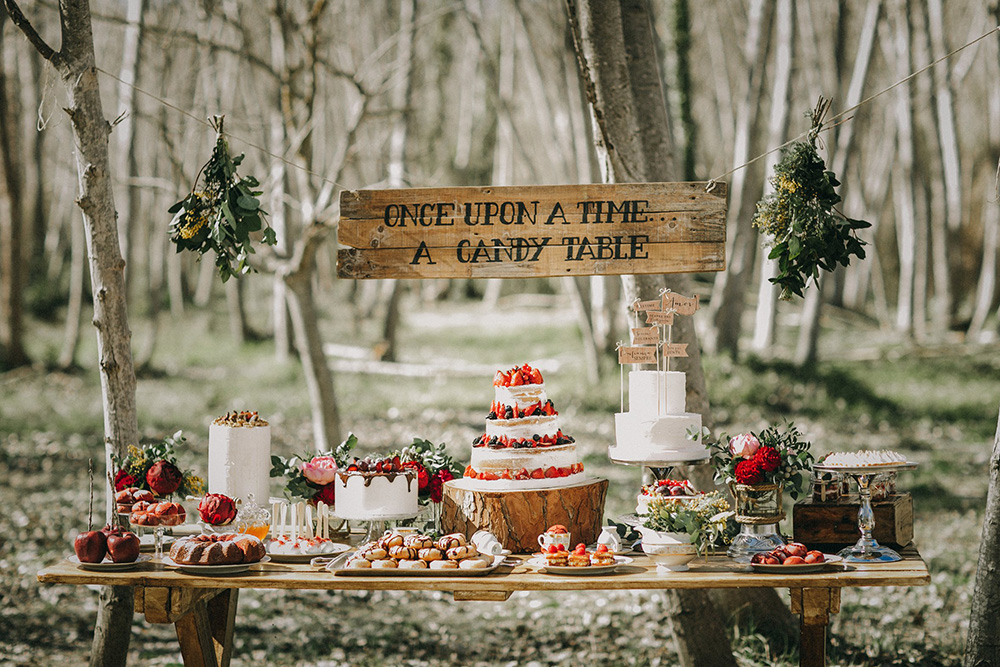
937	405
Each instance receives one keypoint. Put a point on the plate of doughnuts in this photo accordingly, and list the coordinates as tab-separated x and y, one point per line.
395	555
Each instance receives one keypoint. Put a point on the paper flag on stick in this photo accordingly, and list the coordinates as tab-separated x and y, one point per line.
643	306
637	355
684	305
675	349
656	317
645	336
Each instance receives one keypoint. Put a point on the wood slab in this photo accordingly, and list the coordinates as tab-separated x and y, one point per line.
517	518
836	524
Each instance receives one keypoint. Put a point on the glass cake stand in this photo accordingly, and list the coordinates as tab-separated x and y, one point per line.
376	523
867	550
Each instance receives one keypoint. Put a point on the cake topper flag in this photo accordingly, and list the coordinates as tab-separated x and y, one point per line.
675	350
637	355
645	336
659	318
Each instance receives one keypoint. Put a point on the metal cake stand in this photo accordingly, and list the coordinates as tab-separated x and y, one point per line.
867	550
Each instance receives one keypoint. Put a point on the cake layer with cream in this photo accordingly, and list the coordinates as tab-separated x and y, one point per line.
239	457
375	495
656	426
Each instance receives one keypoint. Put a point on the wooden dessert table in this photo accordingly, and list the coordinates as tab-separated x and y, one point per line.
203	609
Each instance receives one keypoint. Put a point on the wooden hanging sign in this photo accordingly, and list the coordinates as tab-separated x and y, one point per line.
645	336
532	231
658	318
637	355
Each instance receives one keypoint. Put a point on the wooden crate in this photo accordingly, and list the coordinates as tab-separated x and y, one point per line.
836	524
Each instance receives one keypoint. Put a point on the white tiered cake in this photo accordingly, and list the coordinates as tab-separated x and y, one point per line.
655	428
523	447
239	457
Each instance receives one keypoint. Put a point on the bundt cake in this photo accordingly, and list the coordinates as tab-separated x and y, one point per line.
226	549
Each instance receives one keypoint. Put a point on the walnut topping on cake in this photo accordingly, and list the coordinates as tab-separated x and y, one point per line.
864	458
240	418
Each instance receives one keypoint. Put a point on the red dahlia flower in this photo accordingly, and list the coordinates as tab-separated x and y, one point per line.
163	478
123	480
437	488
767	458
747	472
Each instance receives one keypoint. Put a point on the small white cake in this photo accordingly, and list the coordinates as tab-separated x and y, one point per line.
864	459
239	457
375	495
300	546
655	428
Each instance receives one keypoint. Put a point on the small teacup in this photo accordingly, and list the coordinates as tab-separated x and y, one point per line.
487	543
545	539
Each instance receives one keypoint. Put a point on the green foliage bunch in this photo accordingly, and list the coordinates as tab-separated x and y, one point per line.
807	232
703	517
296	484
221	216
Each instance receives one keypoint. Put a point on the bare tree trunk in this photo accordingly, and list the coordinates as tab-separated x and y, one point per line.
76	65
74	311
767	292
12	273
729	290
279	209
982	646
237	314
986	286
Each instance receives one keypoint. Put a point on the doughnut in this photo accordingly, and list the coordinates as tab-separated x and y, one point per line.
390	539
358	563
375	553
418	541
464	551
443	565
383	564
403	553
451	541
412	565
430	554
473	564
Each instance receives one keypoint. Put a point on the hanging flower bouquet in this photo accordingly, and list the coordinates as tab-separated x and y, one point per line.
775	456
154	467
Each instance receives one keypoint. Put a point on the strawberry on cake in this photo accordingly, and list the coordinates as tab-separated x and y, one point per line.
523	446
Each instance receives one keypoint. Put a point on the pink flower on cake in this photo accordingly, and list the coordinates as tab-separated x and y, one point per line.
324	495
744	445
321	470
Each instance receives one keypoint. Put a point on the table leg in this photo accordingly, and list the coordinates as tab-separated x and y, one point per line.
205	631
814	606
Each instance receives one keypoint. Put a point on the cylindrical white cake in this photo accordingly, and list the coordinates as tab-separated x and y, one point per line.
372	496
657	433
647	388
239	461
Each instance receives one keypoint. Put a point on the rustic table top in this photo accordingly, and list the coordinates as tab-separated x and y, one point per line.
713	572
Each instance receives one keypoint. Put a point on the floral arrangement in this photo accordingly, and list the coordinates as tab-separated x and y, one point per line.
774	456
310	476
806	231
434	467
154	467
223	214
705	518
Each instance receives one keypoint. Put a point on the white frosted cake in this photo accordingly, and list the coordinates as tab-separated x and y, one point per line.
655	428
370	489
523	446
864	459
239	457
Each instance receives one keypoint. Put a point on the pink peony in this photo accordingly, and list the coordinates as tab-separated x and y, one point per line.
321	470
744	445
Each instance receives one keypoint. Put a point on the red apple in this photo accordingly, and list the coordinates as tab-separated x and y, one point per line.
780	555
771	560
815	557
90	546
796	549
123	547
794	560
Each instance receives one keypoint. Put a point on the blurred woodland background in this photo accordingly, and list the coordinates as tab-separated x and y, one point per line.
898	350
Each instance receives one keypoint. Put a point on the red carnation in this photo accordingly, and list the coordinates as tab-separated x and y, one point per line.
436	484
123	480
163	478
747	472
767	458
423	478
324	495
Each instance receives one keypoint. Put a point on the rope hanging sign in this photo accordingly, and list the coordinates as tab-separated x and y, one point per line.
532	231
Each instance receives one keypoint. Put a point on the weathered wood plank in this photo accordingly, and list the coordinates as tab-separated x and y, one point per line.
488	596
511	232
604	256
837	523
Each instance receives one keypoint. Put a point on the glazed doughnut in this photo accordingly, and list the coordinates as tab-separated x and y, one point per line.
451	541
412	565
473	564
358	563
430	554
375	553
418	541
403	553
390	539
464	551
443	565
384	564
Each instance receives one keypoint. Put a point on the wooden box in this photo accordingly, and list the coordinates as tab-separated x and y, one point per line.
836	524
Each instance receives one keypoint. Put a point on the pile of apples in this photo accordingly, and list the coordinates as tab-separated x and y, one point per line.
793	553
93	545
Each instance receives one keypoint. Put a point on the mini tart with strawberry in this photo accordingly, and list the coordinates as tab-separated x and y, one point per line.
579	557
602	556
556	555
